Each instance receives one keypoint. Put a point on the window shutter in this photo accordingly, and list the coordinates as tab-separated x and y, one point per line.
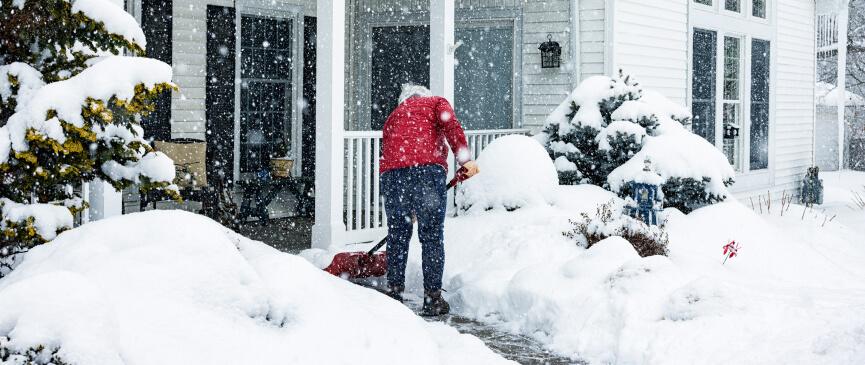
156	22
219	93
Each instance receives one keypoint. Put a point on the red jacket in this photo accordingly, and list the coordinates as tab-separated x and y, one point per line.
415	132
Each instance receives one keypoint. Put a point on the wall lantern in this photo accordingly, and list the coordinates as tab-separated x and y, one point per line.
551	53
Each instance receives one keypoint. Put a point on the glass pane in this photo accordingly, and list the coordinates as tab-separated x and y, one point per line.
400	54
760	62
759	9
732	5
703	83
732	62
704	2
265	92
484	77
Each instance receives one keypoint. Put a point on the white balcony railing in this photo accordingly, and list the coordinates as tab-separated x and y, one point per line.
364	209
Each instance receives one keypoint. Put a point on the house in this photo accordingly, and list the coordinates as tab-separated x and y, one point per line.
314	80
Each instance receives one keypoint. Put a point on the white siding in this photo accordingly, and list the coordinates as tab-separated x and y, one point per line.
651	43
592	36
544	89
793	122
190	60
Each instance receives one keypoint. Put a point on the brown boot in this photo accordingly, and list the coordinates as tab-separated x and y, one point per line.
395	292
434	304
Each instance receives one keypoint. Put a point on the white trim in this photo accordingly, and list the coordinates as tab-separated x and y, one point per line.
329	227
609	37
746	27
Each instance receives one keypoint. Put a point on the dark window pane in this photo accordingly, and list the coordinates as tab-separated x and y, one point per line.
759	8
760	62
484	77
400	54
732	5
703	83
704	2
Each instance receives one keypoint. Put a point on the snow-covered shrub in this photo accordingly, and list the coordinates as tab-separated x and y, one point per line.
607	127
609	221
70	110
37	355
515	172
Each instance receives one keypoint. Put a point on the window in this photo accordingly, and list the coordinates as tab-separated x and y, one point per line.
733	5
703	83
704	2
265	90
732	102
760	104
483	80
483	77
758	8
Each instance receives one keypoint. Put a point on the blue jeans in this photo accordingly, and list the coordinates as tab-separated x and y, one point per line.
420	191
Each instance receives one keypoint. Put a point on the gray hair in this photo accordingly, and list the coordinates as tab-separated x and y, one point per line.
409	90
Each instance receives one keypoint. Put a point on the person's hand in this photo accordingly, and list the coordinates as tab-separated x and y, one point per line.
472	168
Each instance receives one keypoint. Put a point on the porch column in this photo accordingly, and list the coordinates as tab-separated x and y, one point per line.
329	227
441	65
104	200
843	18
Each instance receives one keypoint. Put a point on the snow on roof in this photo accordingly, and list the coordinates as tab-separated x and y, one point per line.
827	94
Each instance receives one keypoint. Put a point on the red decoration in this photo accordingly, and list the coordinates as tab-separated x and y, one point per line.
730	250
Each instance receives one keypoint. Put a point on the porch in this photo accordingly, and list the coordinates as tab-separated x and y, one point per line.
312	82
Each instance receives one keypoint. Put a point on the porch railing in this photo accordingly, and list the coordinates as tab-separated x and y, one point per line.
827	35
363	206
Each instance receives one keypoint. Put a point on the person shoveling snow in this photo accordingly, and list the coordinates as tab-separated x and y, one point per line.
413	178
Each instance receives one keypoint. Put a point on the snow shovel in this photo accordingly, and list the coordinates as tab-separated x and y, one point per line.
366	264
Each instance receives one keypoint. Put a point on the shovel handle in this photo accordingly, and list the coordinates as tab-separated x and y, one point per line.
459	177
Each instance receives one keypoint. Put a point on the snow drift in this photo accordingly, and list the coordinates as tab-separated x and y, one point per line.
168	287
516	172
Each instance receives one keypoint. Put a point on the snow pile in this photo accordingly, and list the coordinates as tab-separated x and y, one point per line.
795	294
115	19
801	300
169	287
828	95
515	172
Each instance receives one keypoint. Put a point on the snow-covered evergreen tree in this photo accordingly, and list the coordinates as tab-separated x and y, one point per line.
73	88
607	127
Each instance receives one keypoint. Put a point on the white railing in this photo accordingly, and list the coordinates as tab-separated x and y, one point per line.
364	209
827	35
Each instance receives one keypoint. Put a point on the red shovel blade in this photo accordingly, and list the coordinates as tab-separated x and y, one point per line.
358	265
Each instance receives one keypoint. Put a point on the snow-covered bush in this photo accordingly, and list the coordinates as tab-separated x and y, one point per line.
70	111
37	355
602	133
609	221
515	172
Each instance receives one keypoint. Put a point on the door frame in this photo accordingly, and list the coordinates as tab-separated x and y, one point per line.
294	13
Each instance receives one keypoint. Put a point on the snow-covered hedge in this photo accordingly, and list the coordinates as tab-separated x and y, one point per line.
515	172
70	110
609	221
171	287
607	127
